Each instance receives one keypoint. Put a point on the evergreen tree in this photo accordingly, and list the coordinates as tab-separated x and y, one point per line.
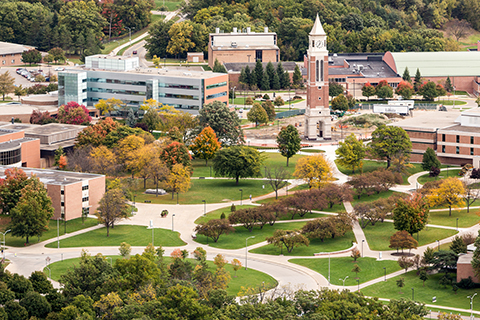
243	77
417	81
406	75
458	246
218	67
258	73
131	120
270	71
476	256
281	75
275	83
430	160
297	77
265	82
285	80
448	85
248	76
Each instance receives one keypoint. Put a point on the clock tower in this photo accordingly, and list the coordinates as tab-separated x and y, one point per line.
317	113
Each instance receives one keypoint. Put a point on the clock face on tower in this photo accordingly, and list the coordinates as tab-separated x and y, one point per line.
319	44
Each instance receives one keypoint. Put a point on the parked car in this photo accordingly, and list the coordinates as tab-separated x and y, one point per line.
134	51
59	69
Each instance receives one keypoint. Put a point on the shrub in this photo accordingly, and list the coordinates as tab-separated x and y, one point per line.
279	101
266	97
249	101
468	238
466	283
164	213
222	216
475	174
297	98
434	172
39	78
232	208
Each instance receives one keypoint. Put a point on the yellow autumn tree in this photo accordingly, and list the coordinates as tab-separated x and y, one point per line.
205	145
179	179
448	193
315	170
106	106
127	151
180	41
104	159
142	160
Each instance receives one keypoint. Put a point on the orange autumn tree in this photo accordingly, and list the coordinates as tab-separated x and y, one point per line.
62	162
205	145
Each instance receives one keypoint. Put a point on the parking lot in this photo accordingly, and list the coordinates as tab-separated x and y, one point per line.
23	80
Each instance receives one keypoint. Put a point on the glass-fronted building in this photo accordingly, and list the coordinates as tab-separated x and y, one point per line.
121	78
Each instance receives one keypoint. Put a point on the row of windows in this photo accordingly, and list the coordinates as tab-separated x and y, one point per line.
117	81
217	95
339	79
217	85
85	187
177	86
5	61
95	100
177	96
457	150
135	93
457	138
84	199
10	157
4	55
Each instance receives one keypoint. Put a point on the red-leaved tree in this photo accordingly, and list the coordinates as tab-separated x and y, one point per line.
73	113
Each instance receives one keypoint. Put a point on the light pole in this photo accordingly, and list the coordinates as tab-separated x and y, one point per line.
358	283
134	196
454	97
173	215
241	195
413	294
204	207
233	95
153	235
3	244
438	245
471	302
246	250
177	197
362	246
457	224
329	269
130	33
58	233
344	281
385	273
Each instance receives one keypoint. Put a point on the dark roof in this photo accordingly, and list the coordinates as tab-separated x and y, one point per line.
363	65
237	66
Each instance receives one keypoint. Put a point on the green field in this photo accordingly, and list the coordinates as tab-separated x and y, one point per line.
236	240
451	102
249	277
211	190
115	43
342	267
315	246
378	236
133	235
465	220
215	214
373	197
445	296
71	226
444	174
171	5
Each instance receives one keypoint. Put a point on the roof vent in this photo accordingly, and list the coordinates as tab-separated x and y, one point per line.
249	29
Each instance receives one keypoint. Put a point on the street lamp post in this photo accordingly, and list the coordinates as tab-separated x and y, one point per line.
362	246
454	97
233	95
385	273
471	304
153	235
58	233
173	215
134	196
457	224
3	244
413	294
204	207
130	33
344	281
438	245
246	250
241	195
177	197
358	283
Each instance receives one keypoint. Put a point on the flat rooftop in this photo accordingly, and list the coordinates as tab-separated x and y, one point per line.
238	66
55	177
9	145
372	66
9	48
16	108
187	72
46	129
428	120
109	57
245	47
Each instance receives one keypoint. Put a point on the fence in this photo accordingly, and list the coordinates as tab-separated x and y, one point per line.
417	106
290	113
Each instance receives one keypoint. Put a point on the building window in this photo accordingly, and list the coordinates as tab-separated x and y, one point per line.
216	85
84	199
321	70
457	150
471	151
443	137
275	40
458	139
217	95
62	191
317	77
471	140
85	187
13	60
9	157
258	55
443	149
3	62
62	204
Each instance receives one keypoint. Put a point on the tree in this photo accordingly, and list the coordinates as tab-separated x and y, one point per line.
368	90
340	103
458	28
423	276
277	178
401	284
417	81
272	75
236	265
31	56
179	179
180	38
351	153
95	135
259	73
109	105
218	67
458	245
7	84
470	196
205	145
405	89
404	240
238	162
159	38
355	254
73	113
390	141
429	90
405	263
19	91
335	89
315	170
214	228
288	141
448	85
269	109
36	305
448	193
57	54
176	153
131	119
288	238
125	250
297	78
445	260
40	282
112	208
411	214
225	123
257	114
356	269
31	214
283	76
58	154
383	90
15	311
430	160
476	256
406	75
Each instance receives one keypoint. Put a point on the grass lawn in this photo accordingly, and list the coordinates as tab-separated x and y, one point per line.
445	296
378	236
211	190
342	267
133	235
215	214
271	160
236	240
312	151
115	43
156	17
450	102
443	175
316	246
171	5
71	226
373	197
249	277
465	219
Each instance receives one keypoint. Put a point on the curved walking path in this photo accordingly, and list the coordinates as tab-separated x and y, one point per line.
25	260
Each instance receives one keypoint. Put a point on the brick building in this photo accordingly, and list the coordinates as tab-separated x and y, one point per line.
11	53
465	269
242	47
72	193
18	150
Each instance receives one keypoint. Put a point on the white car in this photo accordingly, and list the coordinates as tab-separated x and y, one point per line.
59	69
